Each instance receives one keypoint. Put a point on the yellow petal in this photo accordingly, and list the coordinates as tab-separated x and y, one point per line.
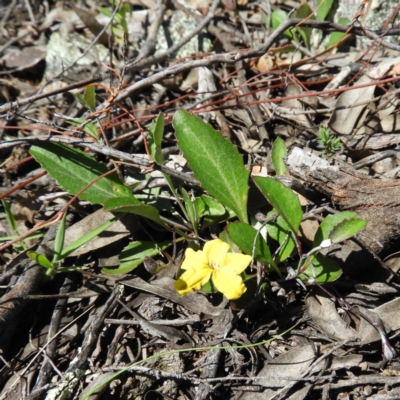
193	279
193	259
216	250
228	283
236	262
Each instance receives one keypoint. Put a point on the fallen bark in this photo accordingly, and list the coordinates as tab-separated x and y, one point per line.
376	200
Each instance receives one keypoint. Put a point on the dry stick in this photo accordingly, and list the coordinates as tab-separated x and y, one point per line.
78	365
107	151
59	215
22	184
93	42
284	391
29	100
388	351
90	307
149	45
206	61
44	374
235	56
154	60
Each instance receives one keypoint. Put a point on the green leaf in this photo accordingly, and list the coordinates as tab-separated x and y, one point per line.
81	100
156	132
347	229
283	200
208	206
214	161
224	236
210	210
91	130
323	8
328	224
10	217
190	209
89	236
74	170
59	239
325	269
133	255
90	97
40	259
133	206
303	12
243	235
335	37
105	11
279	151
88	127
277	17
280	232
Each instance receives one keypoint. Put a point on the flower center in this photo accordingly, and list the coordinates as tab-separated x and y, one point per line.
214	266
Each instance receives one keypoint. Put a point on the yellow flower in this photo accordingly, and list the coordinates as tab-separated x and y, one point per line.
214	261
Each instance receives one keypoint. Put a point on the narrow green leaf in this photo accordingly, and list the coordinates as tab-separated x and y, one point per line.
133	255
89	236
40	259
303	12
10	217
74	169
328	224
214	161
243	235
347	229
279	151
59	239
90	97
131	205
81	100
323	7
156	132
325	269
283	200
280	232
105	11
91	130
190	209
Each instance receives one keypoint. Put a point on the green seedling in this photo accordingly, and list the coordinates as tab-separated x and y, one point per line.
54	266
330	143
120	25
13	224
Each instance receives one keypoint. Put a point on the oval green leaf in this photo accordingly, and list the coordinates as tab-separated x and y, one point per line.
285	202
74	170
347	229
279	151
40	259
90	97
243	235
214	161
325	270
323	8
328	224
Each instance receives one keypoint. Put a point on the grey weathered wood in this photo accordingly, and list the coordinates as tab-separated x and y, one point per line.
376	200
